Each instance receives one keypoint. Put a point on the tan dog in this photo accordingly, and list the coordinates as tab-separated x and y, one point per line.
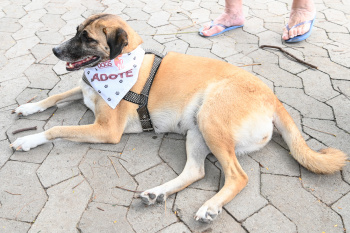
221	108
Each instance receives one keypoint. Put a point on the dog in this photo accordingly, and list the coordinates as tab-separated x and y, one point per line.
220	108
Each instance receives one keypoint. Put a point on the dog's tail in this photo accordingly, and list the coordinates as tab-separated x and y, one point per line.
325	161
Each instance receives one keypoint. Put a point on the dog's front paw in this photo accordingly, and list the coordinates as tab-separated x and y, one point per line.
29	108
207	214
149	197
28	142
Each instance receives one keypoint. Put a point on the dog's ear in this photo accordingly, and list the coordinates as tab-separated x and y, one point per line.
117	39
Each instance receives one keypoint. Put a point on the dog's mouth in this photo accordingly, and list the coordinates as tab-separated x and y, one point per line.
70	66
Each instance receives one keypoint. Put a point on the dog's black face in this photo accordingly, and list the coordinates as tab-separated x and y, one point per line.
98	38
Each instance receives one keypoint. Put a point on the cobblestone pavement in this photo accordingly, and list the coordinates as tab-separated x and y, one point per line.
70	187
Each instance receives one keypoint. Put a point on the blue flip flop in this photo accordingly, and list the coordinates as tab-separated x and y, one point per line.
301	37
226	28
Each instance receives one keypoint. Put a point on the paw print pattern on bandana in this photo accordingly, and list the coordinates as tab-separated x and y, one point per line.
135	66
88	72
134	58
121	81
99	91
117	93
109	99
106	86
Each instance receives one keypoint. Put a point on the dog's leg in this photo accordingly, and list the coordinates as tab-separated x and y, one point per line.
107	128
30	108
197	151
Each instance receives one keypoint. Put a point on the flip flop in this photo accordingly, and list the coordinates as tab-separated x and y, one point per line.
301	37
226	28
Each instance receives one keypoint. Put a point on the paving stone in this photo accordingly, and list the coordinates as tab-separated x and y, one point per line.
32	17
339	53
342	85
254	25
141	152
67	114
274	26
175	136
53	22
341	109
115	8
342	208
175	228
321	38
46	74
249	200
318	85
93	5
190	200
142	28
163	34
159	18
22	47
43	54
9	25
36	155
338	142
100	217
242	37
149	42
241	60
200	15
134	3
13	11
7	41
10	226
224	47
30	93
61	163
276	160
102	177
334	70
60	68
246	49
277	8
307	106
136	13
153	6
6	152
331	27
28	30
266	81
35	4
317	217
269	219
73	14
20	178
190	5
67	201
9	93
179	46
268	16
195	41
71	26
68	81
3	59
335	16
6	120
202	53
55	8
173	152
289	64
328	188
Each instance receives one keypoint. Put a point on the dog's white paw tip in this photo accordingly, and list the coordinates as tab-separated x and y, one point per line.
206	215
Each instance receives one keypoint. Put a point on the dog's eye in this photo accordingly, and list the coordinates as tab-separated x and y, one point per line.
86	38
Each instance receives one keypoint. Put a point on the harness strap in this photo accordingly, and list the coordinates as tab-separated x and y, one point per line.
142	99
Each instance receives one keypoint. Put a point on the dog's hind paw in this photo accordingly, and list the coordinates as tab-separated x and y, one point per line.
149	197
205	214
29	108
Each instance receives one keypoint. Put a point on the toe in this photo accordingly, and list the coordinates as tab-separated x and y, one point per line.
212	31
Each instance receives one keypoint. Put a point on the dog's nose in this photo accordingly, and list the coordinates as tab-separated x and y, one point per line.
56	51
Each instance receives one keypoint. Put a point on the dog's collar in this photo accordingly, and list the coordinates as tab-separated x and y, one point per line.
142	99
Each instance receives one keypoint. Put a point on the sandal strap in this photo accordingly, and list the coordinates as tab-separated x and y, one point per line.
299	24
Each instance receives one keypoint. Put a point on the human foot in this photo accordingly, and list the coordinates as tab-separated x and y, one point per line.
228	19
298	15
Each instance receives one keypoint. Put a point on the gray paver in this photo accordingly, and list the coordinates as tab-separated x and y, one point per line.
9	25
67	201
28	30
342	207
159	18
339	53
305	104
19	178
21	64
269	219
100	172
10	226
22	47
141	152
61	164
6	120
341	107
43	54
9	92
176	46
6	40
6	152
36	78
302	208
101	217
175	228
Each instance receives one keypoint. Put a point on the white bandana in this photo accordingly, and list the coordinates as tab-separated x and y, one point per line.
112	79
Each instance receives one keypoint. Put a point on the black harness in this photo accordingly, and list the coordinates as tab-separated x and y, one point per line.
142	99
